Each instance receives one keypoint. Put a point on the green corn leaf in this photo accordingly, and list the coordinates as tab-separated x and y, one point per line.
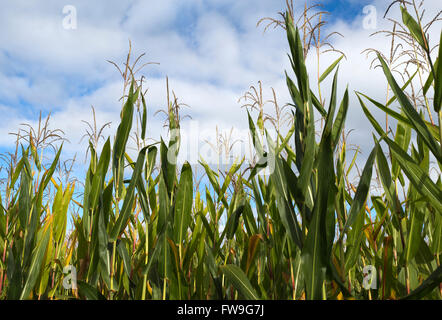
59	210
436	245
315	254
125	213
233	220
286	211
389	187
239	280
249	219
124	255
102	239
233	169
17	171
362	189
297	99
430	78
295	94
167	168
432	282
438	81
414	117
153	259
393	98
48	174
121	138
143	196
24	197
38	257
210	260
318	105
206	226
414	28
330	69
295	192
415	228
298	58
151	157
285	141
144	117
402	138
402	118
89	292
338	125
183	205
305	173
418	177
164	205
255	136
388	111
35	155
100	175
212	175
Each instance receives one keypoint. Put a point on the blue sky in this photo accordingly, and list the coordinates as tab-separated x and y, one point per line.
345	9
211	51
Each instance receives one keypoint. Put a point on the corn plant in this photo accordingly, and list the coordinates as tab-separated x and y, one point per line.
289	226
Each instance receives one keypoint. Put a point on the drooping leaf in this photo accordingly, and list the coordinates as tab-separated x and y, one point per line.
330	69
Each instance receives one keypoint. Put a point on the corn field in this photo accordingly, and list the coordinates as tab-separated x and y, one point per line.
146	230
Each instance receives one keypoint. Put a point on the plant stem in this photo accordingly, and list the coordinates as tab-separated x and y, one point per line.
440	129
143	296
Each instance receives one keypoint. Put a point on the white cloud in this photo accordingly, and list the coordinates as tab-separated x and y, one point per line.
212	52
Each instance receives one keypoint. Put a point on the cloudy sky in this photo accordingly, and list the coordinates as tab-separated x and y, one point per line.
211	50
